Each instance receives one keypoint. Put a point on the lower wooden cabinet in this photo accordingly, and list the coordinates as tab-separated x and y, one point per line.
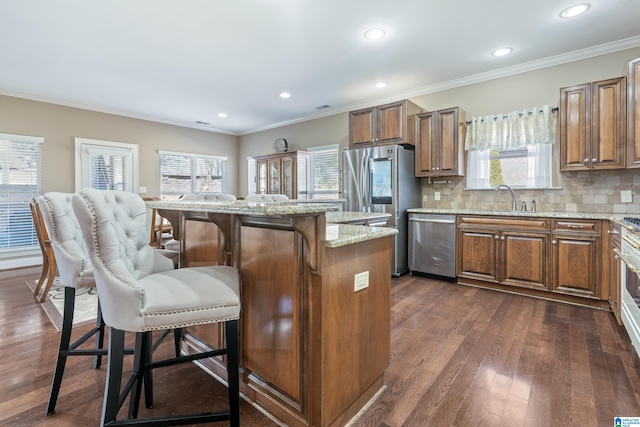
575	251
506	251
562	257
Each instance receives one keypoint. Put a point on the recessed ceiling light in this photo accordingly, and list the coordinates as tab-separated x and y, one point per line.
502	51
374	34
222	115
380	85
576	10
285	95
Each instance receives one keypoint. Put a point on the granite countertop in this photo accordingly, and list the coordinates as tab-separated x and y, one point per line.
243	207
526	214
346	216
346	234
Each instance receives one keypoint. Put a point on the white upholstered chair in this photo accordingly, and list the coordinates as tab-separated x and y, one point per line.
137	298
253	197
209	197
75	271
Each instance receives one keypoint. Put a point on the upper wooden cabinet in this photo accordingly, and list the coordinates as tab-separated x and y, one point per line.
633	114
440	143
593	125
383	125
283	173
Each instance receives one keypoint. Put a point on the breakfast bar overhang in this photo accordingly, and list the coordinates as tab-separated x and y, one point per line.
313	350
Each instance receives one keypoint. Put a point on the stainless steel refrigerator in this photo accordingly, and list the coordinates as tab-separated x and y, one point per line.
381	179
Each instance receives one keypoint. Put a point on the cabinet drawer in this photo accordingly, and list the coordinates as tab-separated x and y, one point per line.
591	227
498	223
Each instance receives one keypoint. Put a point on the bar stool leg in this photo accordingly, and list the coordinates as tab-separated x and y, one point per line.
97	359
233	380
110	405
65	339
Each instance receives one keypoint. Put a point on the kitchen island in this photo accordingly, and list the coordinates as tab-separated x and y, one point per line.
313	350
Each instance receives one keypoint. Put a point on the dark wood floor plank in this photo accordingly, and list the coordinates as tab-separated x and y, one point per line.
461	356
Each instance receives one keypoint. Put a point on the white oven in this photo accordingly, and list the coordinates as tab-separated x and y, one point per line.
630	279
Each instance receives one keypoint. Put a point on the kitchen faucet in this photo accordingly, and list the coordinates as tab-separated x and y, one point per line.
513	196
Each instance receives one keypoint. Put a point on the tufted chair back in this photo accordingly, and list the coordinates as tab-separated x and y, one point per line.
113	224
71	254
253	197
210	197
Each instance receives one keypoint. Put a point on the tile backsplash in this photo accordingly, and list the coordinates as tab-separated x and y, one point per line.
593	191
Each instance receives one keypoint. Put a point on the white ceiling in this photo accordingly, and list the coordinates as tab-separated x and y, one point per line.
182	61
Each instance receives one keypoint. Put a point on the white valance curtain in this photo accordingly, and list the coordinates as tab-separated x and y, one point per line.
513	130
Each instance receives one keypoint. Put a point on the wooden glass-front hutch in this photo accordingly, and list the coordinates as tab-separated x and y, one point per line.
284	173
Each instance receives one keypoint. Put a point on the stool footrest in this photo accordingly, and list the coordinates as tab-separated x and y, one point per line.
177	420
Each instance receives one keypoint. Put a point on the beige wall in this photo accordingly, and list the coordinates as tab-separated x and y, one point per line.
581	191
313	133
59	126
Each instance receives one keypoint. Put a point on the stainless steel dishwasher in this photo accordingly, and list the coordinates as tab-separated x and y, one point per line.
432	244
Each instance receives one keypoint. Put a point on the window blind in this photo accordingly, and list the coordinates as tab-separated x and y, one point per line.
183	173
21	180
325	174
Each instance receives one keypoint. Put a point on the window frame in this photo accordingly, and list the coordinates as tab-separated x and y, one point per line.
193	181
82	145
312	172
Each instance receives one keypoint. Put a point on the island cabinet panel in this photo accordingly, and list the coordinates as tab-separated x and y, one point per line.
199	247
358	353
613	244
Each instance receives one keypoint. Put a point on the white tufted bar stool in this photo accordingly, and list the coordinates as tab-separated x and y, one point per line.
253	197
75	271
135	298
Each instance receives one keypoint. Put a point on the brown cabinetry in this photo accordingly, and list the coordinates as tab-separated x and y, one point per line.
440	143
575	252
383	125
633	114
593	125
283	173
613	237
506	251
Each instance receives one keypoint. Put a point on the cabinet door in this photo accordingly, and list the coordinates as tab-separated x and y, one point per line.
524	259
608	118
274	176
450	149
287	177
362	127
575	266
262	177
391	123
615	285
633	114
426	148
574	127
477	255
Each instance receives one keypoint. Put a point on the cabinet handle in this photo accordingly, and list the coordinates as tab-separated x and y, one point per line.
612	232
616	256
586	160
433	169
496	237
554	242
437	169
594	160
574	226
502	238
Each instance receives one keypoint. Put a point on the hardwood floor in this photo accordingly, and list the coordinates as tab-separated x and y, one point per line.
461	356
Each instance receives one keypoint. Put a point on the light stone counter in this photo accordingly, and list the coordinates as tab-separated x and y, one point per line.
345	234
526	214
347	216
243	207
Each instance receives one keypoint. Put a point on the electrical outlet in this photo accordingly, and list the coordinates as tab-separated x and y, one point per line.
361	281
625	196
437	195
142	190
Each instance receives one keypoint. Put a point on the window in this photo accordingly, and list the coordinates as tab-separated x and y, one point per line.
523	167
21	180
325	174
183	173
106	165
